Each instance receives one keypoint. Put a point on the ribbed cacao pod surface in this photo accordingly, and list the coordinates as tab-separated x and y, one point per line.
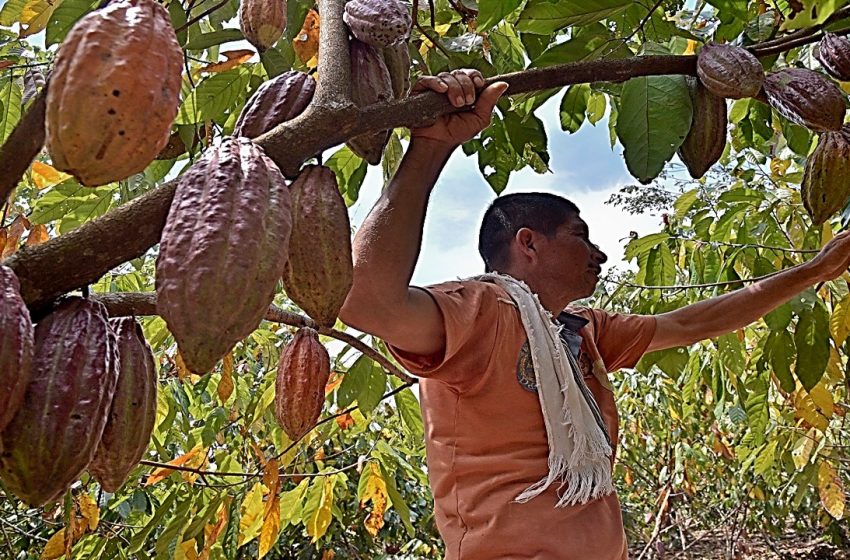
53	437
371	83
302	374
729	71
16	346
807	98
131	417
112	97
262	22
834	55
319	272
379	23
222	250
397	60
826	178
706	138
278	100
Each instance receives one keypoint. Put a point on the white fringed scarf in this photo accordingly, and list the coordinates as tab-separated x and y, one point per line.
579	450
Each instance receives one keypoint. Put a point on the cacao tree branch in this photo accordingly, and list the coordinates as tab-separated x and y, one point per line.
22	146
765	48
120	304
693	286
333	89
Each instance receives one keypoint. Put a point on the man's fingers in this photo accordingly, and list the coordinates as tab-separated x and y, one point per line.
488	98
430	82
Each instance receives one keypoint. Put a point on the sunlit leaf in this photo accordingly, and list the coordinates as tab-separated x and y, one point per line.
306	42
234	59
225	383
251	519
160	473
831	490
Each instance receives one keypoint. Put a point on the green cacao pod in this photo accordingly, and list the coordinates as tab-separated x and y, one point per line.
302	374
53	437
371	83
834	55
16	346
806	98
729	71
262	21
706	138
397	60
222	250
826	178
278	100
379	23
319	272
112	97
131	416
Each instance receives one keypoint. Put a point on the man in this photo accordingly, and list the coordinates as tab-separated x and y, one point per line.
520	420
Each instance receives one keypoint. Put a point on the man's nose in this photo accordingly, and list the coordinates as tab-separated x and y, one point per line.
600	257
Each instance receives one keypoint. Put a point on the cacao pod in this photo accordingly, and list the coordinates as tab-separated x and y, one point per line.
371	84
278	100
729	71
52	438
826	178
131	416
262	21
319	272
112	98
222	250
379	23
806	98
16	346
397	60
706	138
302	374
834	55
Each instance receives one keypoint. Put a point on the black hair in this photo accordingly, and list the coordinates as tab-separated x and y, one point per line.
541	212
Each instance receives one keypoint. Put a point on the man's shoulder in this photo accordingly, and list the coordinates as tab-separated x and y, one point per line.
469	285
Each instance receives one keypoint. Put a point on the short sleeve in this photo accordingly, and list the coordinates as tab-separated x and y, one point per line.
621	338
470	312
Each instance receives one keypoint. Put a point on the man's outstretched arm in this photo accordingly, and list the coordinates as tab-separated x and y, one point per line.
726	313
386	246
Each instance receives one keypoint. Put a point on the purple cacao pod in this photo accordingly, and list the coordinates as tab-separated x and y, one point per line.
834	55
806	98
262	21
397	60
131	416
16	346
371	83
379	23
319	273
826	178
302	374
278	100
222	250
53	437
729	71
706	138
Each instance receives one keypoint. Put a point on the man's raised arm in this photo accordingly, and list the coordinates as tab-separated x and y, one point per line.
386	247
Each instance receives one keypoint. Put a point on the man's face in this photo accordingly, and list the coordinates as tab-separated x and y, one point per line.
571	261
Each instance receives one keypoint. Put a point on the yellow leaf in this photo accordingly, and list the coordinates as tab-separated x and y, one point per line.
807	410
691	46
35	16
345	421
89	511
213	531
306	43
14	232
839	321
823	399
271	525
831	491
826	234
251	520
334	381
328	554
834	368
38	234
225	384
375	490
319	522
801	452
271	476
44	175
160	473
234	59
55	547
183	372
186	550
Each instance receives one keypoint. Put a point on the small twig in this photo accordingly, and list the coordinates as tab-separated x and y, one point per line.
201	16
434	40
8	542
21	531
693	286
644	20
747	245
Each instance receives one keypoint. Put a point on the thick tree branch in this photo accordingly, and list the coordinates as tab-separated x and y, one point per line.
334	87
22	146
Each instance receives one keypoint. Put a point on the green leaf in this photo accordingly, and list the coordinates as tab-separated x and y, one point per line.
73	204
10	97
685	202
213	38
214	96
63	19
491	12
573	107
766	458
779	318
780	345
138	540
410	412
392	157
167	540
543	17
596	107
731	353
350	171
365	382
398	501
812	340
643	244
655	116
276	62
11	12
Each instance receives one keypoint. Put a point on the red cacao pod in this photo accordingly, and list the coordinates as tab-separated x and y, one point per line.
806	98
53	437
222	250
16	346
302	374
834	55
371	83
262	21
729	71
706	138
278	100
319	272
379	23
826	178
112	98
133	411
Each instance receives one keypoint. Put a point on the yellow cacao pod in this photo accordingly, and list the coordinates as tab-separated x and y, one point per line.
262	21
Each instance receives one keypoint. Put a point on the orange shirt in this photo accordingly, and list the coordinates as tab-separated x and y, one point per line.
486	441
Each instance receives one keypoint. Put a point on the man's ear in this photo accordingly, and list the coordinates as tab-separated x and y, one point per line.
525	242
